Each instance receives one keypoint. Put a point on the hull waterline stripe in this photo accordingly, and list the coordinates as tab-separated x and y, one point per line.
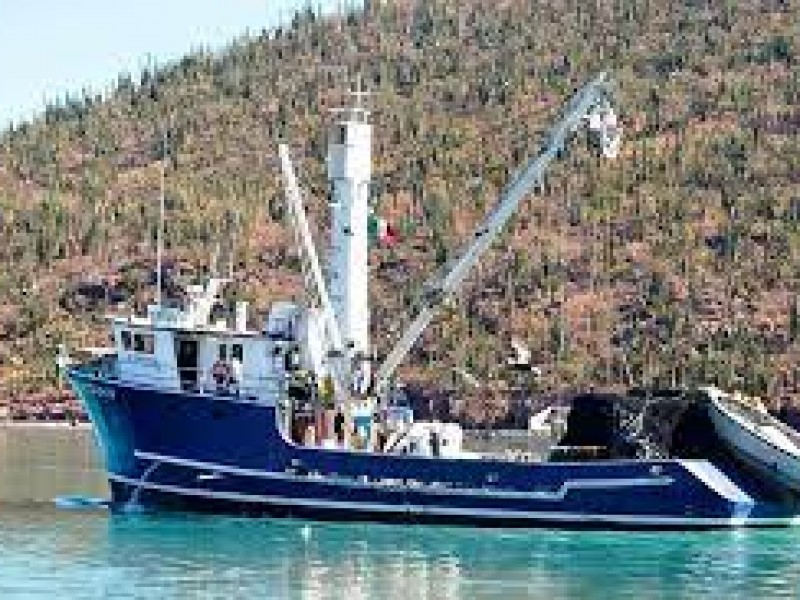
476	513
559	494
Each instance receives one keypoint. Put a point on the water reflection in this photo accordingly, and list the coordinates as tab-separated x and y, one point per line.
97	555
431	563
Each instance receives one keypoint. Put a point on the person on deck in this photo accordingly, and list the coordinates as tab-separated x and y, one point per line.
236	374
338	428
221	374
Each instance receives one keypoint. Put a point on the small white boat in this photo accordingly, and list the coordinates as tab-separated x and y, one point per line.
756	437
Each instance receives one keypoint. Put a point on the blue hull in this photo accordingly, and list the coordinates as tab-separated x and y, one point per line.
204	453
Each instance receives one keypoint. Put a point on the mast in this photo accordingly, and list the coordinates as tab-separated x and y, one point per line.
337	356
350	172
160	243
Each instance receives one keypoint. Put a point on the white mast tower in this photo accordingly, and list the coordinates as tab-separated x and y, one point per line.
350	172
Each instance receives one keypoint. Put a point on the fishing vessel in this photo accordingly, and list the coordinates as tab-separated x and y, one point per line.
289	417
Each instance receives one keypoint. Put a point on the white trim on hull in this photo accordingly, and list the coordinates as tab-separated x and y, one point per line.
565	518
559	494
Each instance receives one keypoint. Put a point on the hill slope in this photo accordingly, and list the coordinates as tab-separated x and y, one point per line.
676	263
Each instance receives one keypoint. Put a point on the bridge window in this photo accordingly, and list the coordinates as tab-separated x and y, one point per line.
235	351
341	134
144	343
125	338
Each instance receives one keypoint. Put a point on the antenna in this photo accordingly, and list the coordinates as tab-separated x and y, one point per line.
215	261
359	93
234	238
160	243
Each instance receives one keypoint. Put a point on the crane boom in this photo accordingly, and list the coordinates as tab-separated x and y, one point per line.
590	103
305	241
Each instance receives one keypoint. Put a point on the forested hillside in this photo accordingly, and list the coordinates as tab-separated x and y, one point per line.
676	263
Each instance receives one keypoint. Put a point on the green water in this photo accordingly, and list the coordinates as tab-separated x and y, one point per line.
49	553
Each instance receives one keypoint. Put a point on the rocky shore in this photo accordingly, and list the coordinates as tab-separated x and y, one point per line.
50	406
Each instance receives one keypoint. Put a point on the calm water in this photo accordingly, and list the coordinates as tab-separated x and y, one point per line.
49	553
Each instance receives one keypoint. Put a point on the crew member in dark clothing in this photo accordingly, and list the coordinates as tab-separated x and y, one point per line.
381	435
338	427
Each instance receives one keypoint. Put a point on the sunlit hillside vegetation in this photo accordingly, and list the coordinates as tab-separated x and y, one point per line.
677	263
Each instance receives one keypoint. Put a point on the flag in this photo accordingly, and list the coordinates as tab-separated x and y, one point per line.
381	231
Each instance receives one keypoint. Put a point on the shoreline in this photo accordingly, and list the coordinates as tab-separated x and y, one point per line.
81	425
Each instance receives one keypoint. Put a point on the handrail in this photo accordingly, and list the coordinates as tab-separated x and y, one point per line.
200	379
206	380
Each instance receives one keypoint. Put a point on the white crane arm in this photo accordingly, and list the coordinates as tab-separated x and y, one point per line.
294	200
590	103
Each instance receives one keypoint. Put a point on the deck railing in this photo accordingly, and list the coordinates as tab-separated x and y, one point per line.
205	381
195	380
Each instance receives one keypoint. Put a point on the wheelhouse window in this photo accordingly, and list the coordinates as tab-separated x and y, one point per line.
341	134
281	328
125	338
144	343
234	351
